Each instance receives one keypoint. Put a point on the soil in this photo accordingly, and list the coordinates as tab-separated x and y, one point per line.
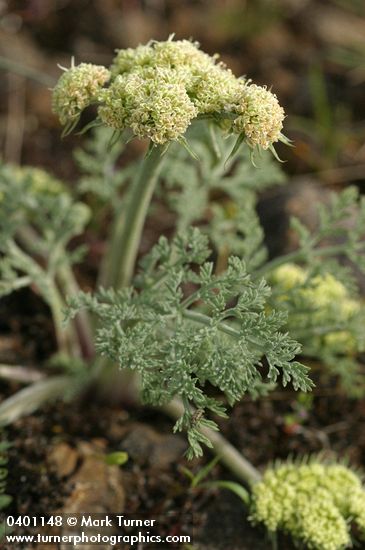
50	457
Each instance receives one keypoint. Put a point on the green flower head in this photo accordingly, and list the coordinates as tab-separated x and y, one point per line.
215	89
325	297
29	180
313	502
131	60
322	293
173	55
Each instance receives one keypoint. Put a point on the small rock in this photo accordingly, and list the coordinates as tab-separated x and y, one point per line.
63	459
97	488
146	446
169	450
139	442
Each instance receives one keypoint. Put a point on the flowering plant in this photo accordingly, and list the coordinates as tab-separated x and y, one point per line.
196	322
157	90
317	503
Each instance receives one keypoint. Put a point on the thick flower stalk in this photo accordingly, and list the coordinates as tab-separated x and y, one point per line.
157	90
316	503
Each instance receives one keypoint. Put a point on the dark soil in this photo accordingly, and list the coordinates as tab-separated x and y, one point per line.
153	481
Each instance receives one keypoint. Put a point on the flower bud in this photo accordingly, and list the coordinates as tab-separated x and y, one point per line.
260	116
76	89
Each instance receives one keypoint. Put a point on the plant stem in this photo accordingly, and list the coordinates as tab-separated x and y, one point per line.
29	239
121	257
20	373
119	265
31	398
297	256
47	288
228	455
203	319
63	335
82	319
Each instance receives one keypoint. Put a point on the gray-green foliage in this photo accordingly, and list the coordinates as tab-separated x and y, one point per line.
189	323
326	317
217	194
222	198
184	328
38	217
326	333
220	195
344	220
97	163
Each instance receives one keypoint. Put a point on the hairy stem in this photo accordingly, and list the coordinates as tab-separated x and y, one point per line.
122	254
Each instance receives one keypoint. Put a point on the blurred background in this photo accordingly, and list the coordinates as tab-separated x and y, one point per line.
311	52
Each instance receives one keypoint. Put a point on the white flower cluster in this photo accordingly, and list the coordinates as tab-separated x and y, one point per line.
159	88
314	502
260	116
154	105
76	89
